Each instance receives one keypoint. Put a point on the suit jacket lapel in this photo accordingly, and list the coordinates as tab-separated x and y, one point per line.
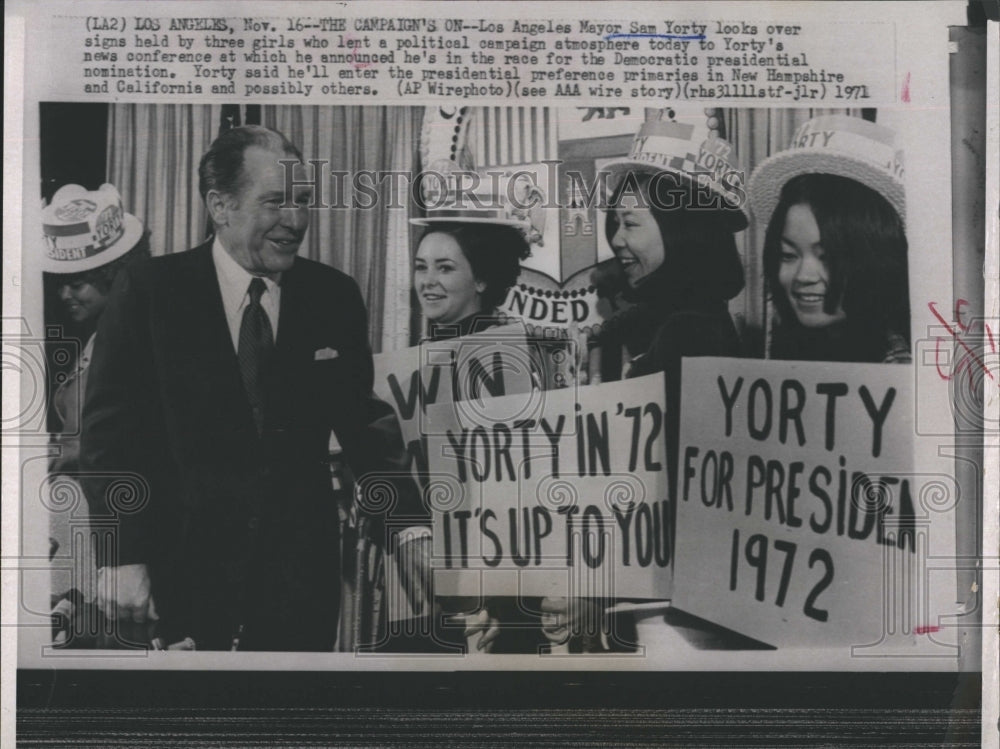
293	348
293	318
202	319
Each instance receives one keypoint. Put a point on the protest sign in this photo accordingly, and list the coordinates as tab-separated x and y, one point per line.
469	369
569	502
801	518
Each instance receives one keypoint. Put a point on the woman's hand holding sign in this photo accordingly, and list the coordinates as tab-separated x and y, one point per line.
567	622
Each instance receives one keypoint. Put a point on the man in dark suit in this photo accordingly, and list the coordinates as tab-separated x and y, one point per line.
216	380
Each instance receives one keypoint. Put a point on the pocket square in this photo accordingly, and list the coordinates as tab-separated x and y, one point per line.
325	354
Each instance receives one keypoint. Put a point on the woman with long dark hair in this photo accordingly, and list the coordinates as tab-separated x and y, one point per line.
835	250
681	266
676	205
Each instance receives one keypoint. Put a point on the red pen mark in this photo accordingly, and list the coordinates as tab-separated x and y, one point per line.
961	304
970	357
354	51
905	95
926	629
937	361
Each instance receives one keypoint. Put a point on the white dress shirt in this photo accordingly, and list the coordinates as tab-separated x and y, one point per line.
234	283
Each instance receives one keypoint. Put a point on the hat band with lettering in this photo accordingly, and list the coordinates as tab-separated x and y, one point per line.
85	229
838	145
709	162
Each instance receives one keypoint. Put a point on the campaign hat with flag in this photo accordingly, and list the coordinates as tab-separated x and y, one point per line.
85	229
834	144
693	152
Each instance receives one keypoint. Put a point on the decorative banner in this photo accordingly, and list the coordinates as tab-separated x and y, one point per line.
568	501
545	305
800	518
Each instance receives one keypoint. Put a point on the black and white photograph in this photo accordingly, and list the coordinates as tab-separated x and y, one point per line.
203	488
381	354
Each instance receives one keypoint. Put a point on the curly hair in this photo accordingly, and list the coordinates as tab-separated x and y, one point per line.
494	251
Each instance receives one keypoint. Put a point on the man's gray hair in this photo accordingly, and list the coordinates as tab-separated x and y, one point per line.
221	167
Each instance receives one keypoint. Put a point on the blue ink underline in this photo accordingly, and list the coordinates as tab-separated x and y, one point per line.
681	37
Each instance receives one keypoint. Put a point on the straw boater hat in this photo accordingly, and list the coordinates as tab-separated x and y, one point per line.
693	152
85	229
833	144
470	198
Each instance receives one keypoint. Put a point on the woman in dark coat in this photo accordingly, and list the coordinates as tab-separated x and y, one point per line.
671	223
681	266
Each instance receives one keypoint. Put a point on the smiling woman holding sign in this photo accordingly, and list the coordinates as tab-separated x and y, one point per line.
464	266
835	253
676	205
